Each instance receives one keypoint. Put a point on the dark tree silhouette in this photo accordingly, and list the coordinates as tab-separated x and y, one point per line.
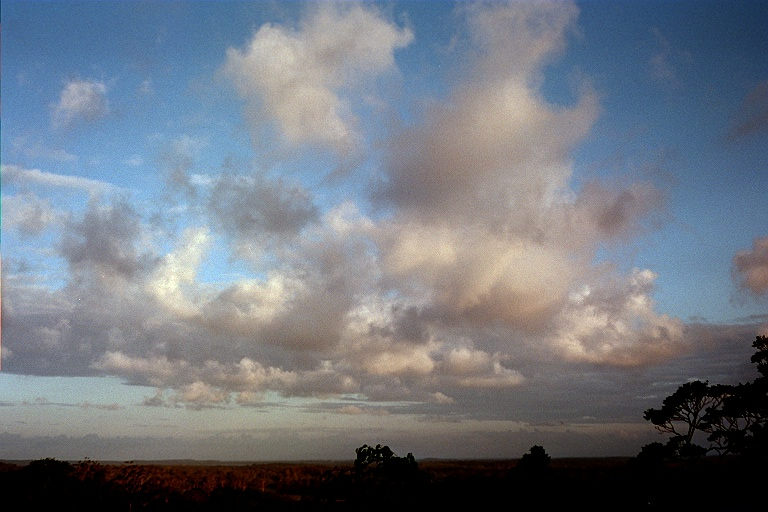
682	414
760	358
739	424
730	425
536	460
382	458
735	417
654	453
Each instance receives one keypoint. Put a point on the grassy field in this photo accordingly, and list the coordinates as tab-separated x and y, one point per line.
598	484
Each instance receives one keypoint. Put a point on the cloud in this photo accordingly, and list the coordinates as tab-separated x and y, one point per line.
212	382
354	410
17	175
477	369
615	324
478	273
752	117
495	147
103	407
295	78
146	87
156	400
156	370
29	214
616	212
399	360
751	267
660	64
80	99
251	208
486	231
175	273
302	303
38	150
468	182
179	157
515	40
104	242
134	161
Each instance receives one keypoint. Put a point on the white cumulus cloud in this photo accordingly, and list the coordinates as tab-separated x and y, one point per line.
81	99
295	77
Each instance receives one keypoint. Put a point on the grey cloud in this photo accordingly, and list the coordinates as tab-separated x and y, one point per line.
63	332
252	207
156	400
302	305
661	63
751	267
29	214
122	314
125	313
617	212
101	306
179	157
106	238
495	147
42	401
752	117
497	152
409	323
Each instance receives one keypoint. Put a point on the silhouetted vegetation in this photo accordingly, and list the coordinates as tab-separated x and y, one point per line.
535	461
384	460
733	419
381	478
596	484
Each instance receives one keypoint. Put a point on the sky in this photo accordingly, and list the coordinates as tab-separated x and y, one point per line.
280	230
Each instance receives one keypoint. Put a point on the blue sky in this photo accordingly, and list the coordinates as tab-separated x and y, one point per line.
279	230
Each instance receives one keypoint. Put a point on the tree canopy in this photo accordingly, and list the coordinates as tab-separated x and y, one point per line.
383	459
734	418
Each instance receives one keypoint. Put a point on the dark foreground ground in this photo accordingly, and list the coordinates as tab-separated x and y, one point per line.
721	484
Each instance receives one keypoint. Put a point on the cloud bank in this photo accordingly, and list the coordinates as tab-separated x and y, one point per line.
475	270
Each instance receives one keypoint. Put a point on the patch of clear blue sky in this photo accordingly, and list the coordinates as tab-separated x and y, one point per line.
673	129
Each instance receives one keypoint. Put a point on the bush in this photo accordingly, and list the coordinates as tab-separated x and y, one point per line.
536	460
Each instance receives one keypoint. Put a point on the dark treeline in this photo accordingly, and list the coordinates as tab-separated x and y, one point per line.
710	483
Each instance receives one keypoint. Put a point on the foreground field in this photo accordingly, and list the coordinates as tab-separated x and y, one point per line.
600	484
